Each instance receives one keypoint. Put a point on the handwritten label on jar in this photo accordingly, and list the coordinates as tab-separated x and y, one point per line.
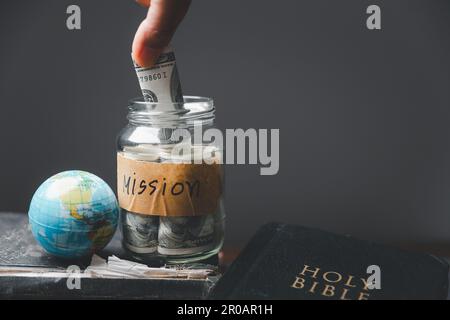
168	189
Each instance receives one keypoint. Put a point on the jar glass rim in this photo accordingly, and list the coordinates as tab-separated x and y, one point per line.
194	108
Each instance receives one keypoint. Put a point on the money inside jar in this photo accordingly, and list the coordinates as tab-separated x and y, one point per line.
172	208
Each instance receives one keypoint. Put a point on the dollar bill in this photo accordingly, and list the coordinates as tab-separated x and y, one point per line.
140	232
161	83
186	235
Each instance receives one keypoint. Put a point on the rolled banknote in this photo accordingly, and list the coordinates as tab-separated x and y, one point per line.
186	235
140	232
161	83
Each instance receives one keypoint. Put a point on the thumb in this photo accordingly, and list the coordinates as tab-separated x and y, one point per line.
156	31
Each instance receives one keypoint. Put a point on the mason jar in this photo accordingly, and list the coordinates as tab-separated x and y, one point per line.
170	182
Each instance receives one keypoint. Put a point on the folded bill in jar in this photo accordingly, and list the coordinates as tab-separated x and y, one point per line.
140	232
186	235
161	83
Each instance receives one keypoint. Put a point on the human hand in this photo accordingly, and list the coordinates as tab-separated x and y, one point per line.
156	31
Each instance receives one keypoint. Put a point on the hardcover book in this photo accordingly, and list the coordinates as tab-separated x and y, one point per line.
293	262
26	271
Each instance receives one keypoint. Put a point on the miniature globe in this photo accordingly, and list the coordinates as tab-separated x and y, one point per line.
73	214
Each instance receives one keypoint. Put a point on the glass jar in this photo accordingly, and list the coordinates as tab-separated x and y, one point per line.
172	203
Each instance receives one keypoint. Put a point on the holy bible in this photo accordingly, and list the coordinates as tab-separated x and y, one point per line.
293	262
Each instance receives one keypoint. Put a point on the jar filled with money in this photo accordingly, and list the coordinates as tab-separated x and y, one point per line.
170	182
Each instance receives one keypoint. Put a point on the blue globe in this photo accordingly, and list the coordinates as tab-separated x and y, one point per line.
73	214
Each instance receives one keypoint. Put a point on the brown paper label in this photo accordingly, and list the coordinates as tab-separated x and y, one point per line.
168	189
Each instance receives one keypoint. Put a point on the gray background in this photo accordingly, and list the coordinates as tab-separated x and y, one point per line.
364	115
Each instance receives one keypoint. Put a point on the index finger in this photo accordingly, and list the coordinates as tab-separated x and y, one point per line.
156	31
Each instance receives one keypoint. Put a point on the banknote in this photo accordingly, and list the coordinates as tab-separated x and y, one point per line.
186	235
140	232
161	83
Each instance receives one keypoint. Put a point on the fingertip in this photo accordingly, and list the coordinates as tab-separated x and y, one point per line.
143	3
143	53
146	57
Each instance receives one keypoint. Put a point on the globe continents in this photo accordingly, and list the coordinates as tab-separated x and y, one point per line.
73	214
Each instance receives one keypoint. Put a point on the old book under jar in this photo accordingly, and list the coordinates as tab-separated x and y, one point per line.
170	182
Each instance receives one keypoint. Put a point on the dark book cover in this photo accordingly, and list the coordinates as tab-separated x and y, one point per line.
18	249
293	262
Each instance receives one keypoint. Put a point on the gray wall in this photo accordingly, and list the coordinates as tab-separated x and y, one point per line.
364	116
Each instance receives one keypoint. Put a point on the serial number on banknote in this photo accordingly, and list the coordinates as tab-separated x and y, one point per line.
153	77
